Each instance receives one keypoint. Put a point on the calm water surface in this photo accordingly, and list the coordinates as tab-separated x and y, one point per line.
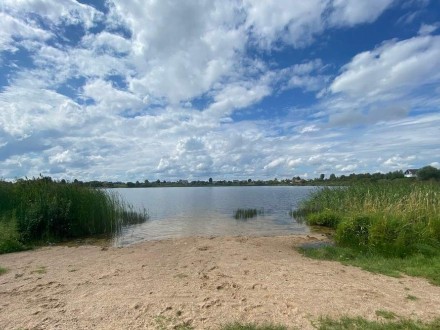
209	211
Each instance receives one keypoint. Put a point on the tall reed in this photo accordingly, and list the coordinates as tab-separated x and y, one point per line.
390	218
42	209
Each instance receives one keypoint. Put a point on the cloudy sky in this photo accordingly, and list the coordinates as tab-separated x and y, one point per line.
159	89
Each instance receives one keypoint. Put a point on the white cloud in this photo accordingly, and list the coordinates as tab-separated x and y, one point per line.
395	68
68	11
14	30
352	12
185	70
428	28
294	22
372	116
181	60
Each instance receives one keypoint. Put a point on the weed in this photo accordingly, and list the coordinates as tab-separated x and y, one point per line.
252	326
349	323
3	270
40	270
386	314
411	297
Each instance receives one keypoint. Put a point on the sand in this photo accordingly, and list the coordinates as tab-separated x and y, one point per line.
199	282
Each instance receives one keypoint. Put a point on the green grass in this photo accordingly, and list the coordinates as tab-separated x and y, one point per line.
414	265
247	213
388	228
41	210
9	236
358	323
386	314
3	271
252	326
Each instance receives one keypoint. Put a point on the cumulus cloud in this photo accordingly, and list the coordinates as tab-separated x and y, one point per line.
394	68
153	90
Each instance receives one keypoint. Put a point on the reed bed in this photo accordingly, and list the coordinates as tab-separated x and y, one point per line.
247	213
44	210
395	219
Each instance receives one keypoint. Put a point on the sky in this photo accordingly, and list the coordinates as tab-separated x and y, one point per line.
127	90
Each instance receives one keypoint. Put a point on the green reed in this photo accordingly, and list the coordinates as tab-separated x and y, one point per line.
41	209
247	213
394	219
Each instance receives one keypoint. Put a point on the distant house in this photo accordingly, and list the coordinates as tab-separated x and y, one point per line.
411	173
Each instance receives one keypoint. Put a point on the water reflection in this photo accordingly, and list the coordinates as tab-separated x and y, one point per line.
209	211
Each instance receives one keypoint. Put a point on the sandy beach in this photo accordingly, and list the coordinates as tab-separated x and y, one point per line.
199	282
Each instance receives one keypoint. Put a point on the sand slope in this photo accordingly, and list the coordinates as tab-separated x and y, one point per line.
202	282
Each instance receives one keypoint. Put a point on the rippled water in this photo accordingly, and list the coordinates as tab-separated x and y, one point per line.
209	211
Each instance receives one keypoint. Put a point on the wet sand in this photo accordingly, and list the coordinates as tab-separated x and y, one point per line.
200	282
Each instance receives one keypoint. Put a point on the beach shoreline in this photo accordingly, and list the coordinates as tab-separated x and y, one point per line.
202	282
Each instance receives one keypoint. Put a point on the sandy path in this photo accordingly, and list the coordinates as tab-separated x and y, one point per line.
203	282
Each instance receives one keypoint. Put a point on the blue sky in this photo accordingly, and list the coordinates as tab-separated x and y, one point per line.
133	90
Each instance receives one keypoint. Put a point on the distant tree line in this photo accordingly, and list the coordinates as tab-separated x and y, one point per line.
423	174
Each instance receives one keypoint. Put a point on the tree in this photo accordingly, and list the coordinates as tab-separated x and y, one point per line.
321	177
428	173
332	176
210	180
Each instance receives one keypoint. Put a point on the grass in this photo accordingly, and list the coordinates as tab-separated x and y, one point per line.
384	227
413	265
386	314
252	326
348	323
41	210
3	271
247	213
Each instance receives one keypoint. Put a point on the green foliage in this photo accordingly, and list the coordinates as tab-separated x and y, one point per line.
252	326
41	209
428	173
392	219
9	236
3	270
326	218
348	323
354	231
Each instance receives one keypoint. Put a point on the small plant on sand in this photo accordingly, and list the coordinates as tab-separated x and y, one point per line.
252	326
348	323
386	314
3	270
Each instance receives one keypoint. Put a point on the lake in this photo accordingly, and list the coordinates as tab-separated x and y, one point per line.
209	211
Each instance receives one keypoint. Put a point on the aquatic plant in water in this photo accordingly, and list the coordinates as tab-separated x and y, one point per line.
247	213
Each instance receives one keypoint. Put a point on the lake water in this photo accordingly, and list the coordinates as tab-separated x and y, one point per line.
209	211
